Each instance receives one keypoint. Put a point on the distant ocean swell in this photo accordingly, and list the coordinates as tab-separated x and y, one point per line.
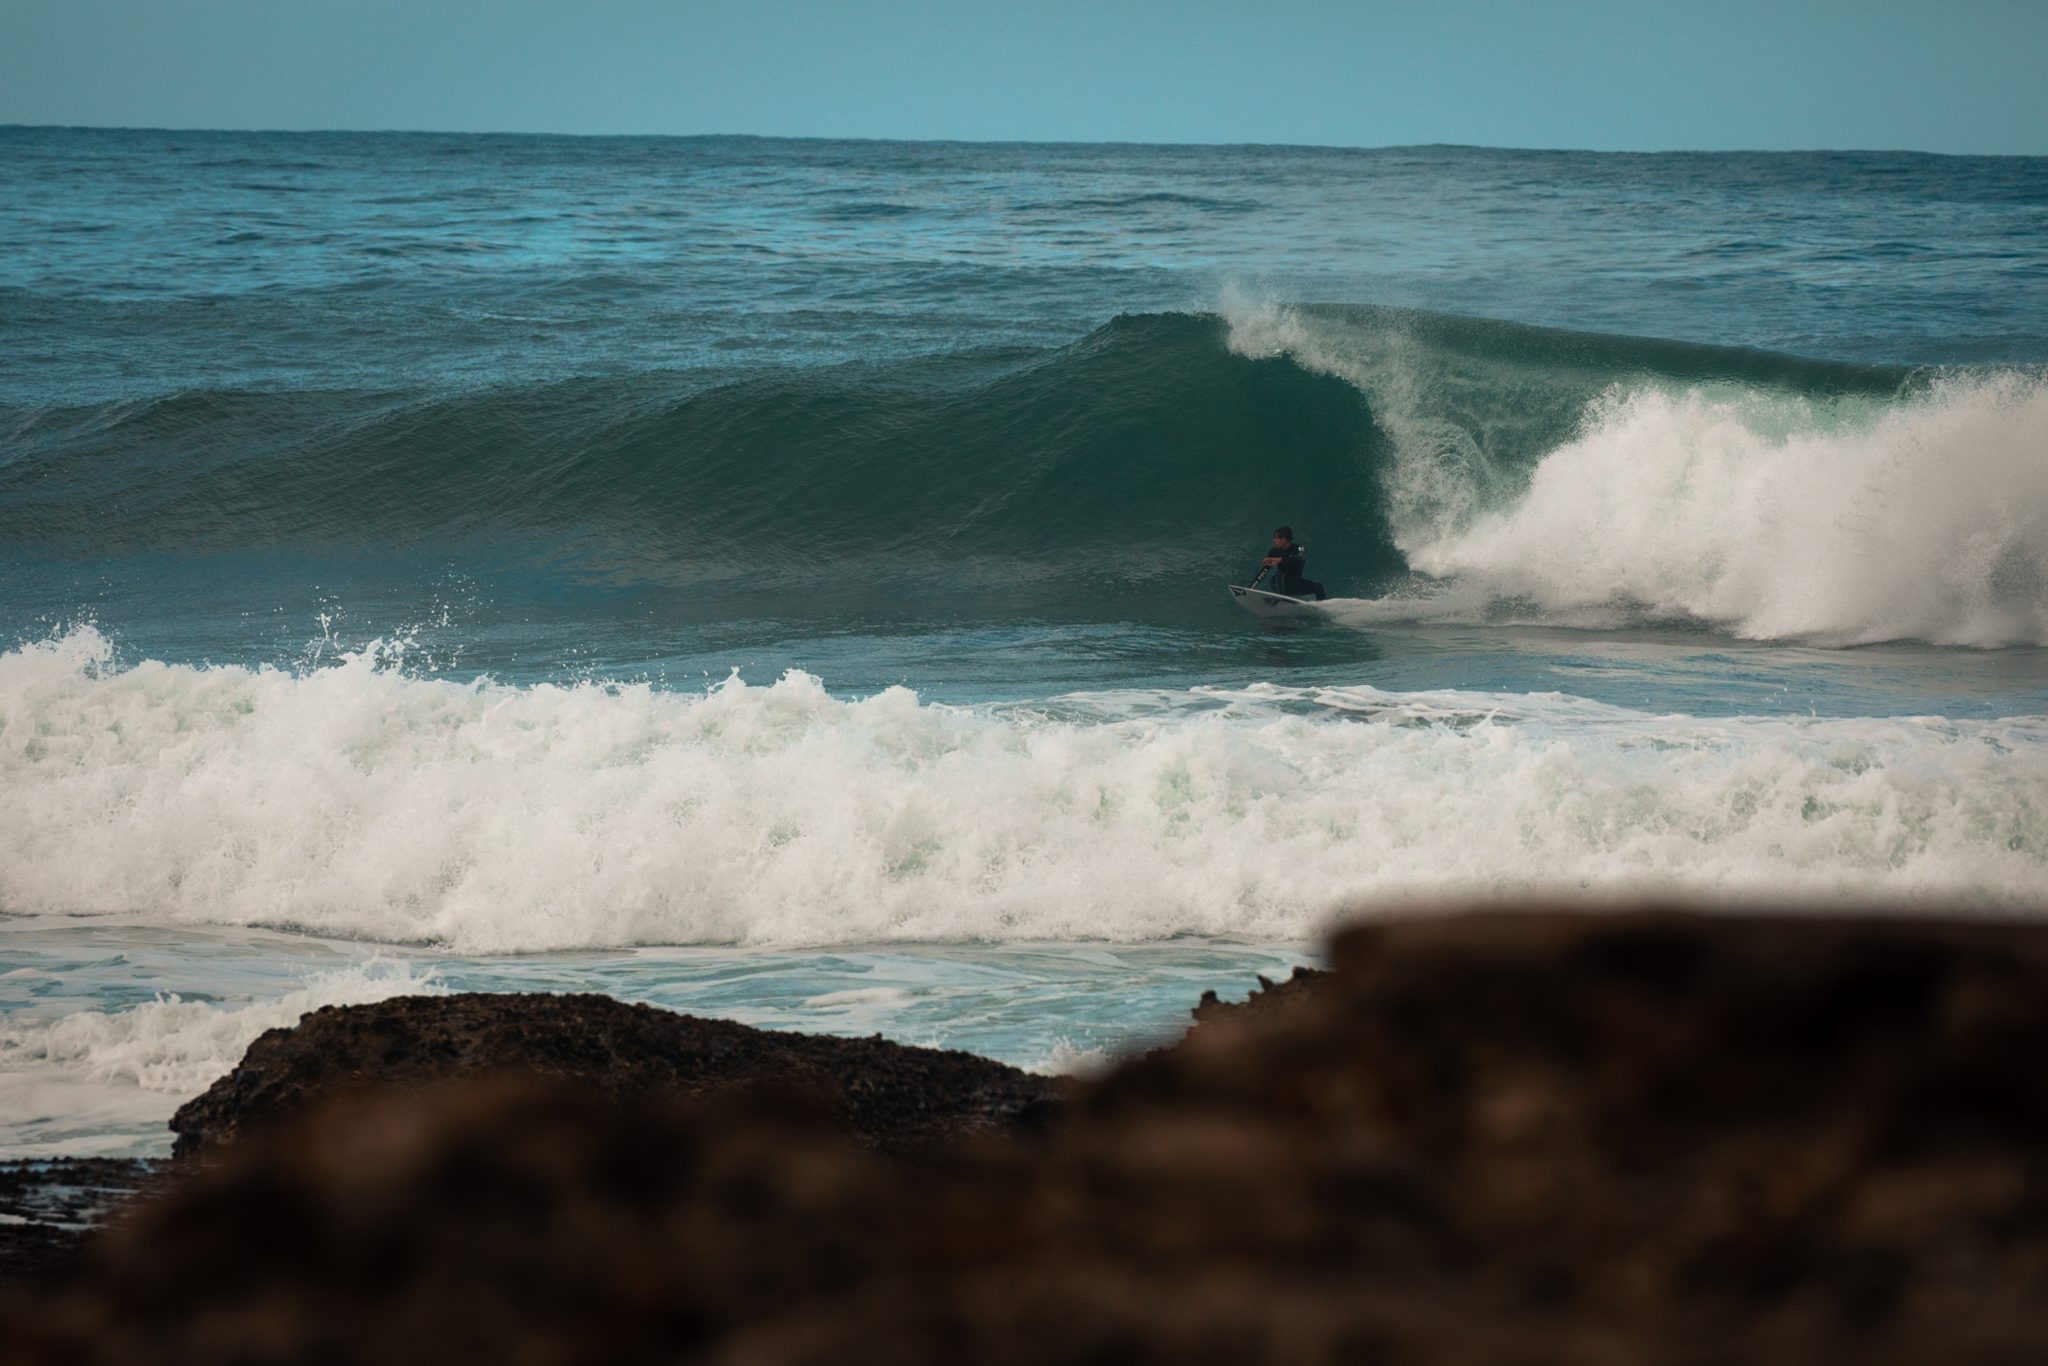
355	801
1452	467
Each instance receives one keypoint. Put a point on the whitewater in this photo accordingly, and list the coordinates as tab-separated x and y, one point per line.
1772	515
785	581
356	802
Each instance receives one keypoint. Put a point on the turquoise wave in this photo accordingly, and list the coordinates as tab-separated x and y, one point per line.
1156	447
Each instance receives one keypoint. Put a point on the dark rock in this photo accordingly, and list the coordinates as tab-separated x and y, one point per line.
885	1095
1270	997
1528	1138
48	1207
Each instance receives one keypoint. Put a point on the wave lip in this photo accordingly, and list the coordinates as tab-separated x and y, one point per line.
353	801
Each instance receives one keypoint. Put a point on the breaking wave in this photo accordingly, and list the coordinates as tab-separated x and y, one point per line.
1441	466
354	801
1768	498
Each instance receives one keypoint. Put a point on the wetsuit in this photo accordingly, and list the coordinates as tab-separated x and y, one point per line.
1287	575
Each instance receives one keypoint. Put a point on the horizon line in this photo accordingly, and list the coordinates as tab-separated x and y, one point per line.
1008	142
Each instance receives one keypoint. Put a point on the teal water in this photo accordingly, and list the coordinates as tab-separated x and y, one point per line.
784	579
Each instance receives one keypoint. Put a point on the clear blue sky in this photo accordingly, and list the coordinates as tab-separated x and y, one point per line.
1960	76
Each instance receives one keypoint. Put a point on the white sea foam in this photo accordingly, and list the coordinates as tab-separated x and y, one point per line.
103	1081
1771	516
1070	1060
1929	522
354	800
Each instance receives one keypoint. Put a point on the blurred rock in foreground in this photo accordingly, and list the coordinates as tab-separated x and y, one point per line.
1528	1138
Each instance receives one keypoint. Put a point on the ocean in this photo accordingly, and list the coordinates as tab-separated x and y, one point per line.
784	580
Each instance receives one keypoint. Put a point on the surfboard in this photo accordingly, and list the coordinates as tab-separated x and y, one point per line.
1260	603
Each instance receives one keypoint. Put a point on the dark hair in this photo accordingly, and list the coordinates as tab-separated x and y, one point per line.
1286	531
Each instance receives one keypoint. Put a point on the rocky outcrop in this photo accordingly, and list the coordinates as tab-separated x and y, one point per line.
883	1095
1268	998
1536	1137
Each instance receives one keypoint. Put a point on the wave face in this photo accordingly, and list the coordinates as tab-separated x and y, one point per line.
355	801
1442	468
1146	449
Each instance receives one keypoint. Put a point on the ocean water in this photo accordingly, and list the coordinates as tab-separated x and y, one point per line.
784	580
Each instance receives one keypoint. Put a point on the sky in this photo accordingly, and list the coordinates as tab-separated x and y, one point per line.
1935	75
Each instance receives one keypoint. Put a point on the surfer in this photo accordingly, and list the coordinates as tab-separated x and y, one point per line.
1287	560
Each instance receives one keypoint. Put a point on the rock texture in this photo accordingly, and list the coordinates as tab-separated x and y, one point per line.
1522	1138
48	1207
884	1095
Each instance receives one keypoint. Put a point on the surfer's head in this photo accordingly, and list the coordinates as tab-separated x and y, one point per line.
1283	535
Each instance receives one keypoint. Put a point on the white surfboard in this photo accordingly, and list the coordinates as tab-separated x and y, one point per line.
1260	603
